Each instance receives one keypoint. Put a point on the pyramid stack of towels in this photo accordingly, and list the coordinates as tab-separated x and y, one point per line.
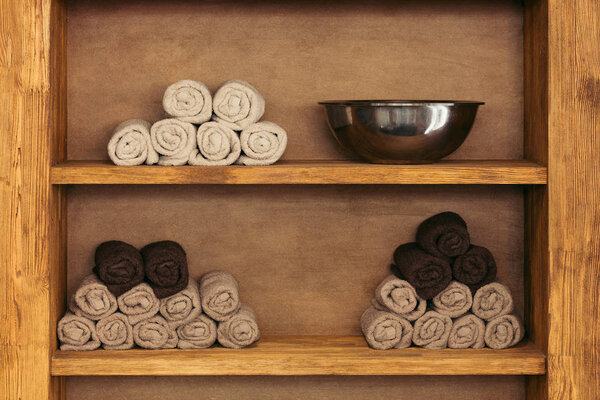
442	293
202	129
146	298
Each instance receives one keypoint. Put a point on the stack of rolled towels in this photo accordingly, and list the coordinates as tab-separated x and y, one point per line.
202	129
442	293
146	298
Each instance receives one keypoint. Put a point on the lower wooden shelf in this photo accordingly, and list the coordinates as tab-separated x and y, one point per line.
303	355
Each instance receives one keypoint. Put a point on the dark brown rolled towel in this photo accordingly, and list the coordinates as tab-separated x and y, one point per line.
444	235
428	274
119	266
475	268
165	266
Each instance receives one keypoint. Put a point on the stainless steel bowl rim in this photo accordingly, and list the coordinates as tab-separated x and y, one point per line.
398	103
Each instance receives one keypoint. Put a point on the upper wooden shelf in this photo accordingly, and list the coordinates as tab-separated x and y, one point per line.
306	172
303	355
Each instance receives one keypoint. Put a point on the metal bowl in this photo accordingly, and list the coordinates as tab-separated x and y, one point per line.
401	131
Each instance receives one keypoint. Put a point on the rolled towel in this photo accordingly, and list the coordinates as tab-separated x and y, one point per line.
239	330
219	295
115	332
138	303
165	267
119	266
428	274
237	105
467	331
77	333
199	333
217	145
92	299
504	332
492	301
444	235
188	101
399	297
475	268
182	307
130	144
432	330
154	333
454	301
385	330
174	140
263	143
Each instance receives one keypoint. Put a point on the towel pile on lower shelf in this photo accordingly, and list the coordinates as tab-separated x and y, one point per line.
147	299
442	294
189	136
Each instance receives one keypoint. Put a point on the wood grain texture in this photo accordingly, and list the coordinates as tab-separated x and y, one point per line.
315	172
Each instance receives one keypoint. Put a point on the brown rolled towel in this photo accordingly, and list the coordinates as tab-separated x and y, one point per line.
115	332
454	301
219	294
428	274
119	265
492	301
239	330
77	333
504	332
444	235
432	330
182	307
165	266
93	300
475	268
154	333
467	331
199	333
139	303
385	330
400	297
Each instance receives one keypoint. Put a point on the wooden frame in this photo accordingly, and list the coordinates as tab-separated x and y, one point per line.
562	70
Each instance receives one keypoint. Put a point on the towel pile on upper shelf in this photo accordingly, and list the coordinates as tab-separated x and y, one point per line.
442	294
147	298
202	130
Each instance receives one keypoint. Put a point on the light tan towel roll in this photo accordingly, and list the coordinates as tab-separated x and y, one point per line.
219	295
239	330
115	332
174	140
399	297
263	143
154	333
492	301
503	332
432	330
385	330
182	307
77	333
467	331
454	301
188	101
138	303
130	144
92	299
237	104
199	333
217	145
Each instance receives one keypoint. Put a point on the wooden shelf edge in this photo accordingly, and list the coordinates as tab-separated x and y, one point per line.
303	355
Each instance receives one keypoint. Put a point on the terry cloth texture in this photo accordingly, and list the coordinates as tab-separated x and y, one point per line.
130	144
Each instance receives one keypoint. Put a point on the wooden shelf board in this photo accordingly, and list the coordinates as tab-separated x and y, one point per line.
303	355
306	172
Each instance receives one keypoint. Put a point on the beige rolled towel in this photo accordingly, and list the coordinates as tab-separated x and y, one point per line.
174	140
199	333
385	330
219	295
432	330
239	330
399	297
467	331
188	101
263	143
454	301
504	331
77	333
237	104
138	303
92	299
154	333
182	307
115	332
492	301
217	145
130	144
